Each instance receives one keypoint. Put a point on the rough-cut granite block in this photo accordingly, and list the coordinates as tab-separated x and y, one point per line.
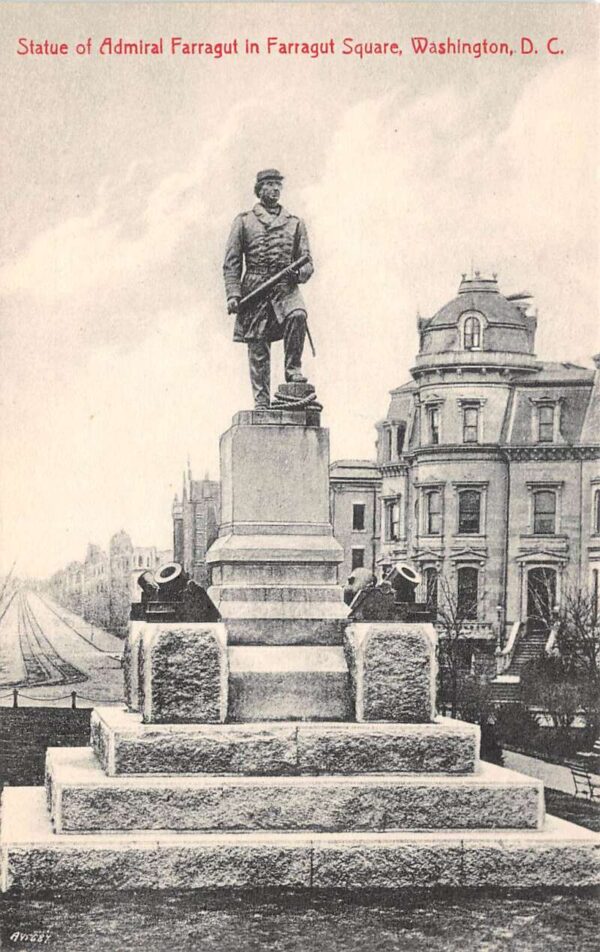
393	671
560	854
446	746
387	860
124	745
184	673
131	653
35	860
84	799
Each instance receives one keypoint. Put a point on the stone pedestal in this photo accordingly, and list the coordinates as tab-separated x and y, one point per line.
183	673
275	562
393	671
330	770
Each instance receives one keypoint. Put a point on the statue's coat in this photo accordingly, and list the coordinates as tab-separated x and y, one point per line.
268	244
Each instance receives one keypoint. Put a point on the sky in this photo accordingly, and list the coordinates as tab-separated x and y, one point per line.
120	178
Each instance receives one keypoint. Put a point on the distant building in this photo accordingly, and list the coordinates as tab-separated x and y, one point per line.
67	586
96	587
196	524
489	475
102	588
121	557
355	490
145	559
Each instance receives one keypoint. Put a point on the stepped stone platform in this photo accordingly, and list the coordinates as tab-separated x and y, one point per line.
83	799
37	860
282	747
358	804
123	744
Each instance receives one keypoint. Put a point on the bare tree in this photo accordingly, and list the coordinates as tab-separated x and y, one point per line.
578	634
566	679
453	620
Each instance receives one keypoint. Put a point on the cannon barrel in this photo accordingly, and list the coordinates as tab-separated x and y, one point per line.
404	580
172	581
148	583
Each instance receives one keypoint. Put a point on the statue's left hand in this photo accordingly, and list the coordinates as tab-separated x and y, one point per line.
304	273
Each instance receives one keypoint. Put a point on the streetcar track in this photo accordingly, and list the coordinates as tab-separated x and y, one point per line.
43	664
5	659
80	634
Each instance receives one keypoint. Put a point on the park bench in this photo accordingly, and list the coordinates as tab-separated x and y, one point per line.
585	785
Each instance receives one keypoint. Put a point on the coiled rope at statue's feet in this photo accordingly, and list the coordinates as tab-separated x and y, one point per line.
285	401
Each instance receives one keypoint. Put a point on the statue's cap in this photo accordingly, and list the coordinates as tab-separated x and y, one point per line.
268	174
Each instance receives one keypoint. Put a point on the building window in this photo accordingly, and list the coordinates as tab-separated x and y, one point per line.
596	513
472	334
469	512
546	423
392	519
400	432
388	444
431	589
433	416
471	425
358	516
466	592
544	513
434	512
358	558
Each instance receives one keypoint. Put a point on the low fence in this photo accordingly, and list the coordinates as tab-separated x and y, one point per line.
26	734
16	698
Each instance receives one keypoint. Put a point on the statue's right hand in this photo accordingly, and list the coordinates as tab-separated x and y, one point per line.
233	305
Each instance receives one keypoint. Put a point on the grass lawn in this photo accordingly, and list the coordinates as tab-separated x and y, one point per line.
574	809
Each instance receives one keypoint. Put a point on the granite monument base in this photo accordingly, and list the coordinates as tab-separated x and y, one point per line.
37	860
298	804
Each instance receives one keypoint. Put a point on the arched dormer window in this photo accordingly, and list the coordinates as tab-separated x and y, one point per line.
472	333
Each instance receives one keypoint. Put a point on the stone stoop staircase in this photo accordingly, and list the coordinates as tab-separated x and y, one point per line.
530	646
381	794
506	688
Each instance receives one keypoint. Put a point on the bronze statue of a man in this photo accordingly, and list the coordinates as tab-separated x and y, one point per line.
267	240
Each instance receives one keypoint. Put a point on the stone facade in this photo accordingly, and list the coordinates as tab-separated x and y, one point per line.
196	520
96	587
102	588
355	492
67	586
487	477
121	557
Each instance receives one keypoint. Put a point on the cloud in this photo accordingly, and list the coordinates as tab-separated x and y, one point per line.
126	236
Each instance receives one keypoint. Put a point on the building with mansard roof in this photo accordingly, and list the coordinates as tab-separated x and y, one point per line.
487	474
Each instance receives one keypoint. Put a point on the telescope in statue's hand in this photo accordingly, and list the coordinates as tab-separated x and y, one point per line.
270	282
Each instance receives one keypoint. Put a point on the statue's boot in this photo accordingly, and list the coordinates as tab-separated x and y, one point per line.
259	360
294	333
